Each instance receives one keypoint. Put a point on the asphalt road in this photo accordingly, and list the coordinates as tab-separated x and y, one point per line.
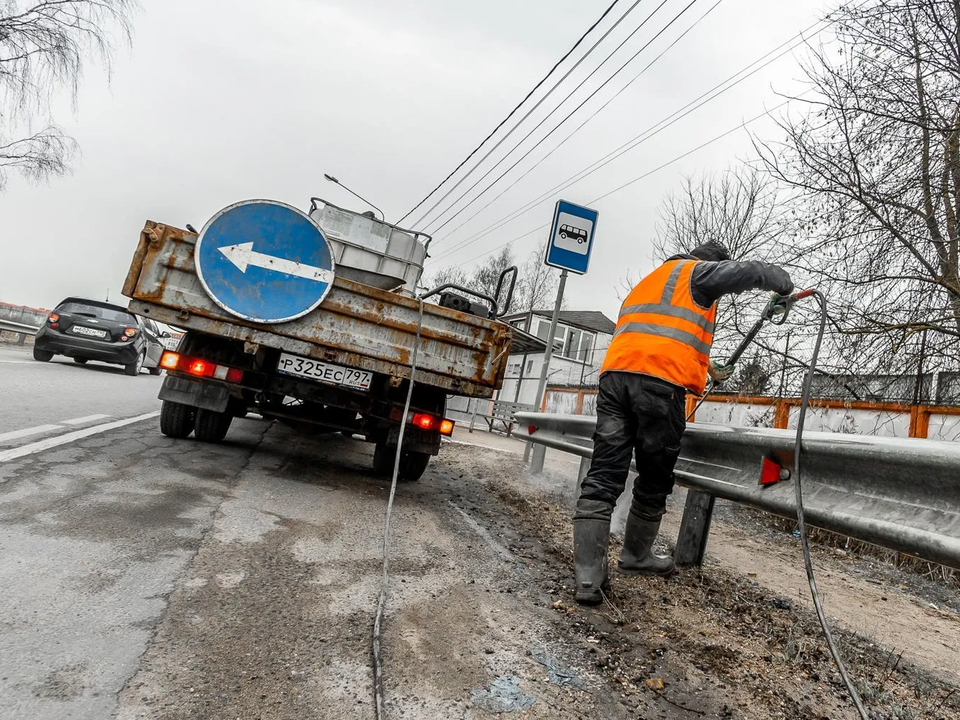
38	398
149	578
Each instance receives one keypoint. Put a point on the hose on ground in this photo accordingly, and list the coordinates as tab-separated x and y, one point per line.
379	706
801	516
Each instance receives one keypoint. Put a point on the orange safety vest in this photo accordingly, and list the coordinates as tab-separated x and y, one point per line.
662	332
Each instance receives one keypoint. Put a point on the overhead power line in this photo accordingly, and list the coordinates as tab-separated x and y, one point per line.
528	96
636	179
588	119
567	117
717	90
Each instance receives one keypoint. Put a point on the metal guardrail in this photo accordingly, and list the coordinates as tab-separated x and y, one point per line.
899	493
21	329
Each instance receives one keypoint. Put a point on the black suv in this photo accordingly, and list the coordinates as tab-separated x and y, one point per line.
93	330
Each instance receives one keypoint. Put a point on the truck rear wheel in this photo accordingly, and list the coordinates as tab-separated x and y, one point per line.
176	419
412	464
211	426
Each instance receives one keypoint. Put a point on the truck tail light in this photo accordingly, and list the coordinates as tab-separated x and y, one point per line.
433	423
53	318
130	332
424	421
200	368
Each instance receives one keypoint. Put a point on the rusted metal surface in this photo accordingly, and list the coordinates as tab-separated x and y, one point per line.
356	325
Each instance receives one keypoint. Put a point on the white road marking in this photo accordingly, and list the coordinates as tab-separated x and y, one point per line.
21	362
41	445
16	434
84	420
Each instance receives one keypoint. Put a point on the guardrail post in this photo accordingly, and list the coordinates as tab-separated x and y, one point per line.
473	418
21	338
539	455
694	528
582	472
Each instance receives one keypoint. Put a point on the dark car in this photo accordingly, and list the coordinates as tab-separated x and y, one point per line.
93	330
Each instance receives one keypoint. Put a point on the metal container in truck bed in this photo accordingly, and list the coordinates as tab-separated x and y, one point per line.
356	326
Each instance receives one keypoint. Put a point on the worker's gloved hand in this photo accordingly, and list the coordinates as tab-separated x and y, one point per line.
720	373
782	284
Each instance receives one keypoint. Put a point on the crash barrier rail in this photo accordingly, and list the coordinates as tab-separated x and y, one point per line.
899	493
21	330
499	411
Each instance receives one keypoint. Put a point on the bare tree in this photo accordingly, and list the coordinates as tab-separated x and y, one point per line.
484	279
537	285
875	164
736	208
43	47
453	275
486	276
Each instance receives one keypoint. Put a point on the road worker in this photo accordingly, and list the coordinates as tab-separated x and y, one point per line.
660	352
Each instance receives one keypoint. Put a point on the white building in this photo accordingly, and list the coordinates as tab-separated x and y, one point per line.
580	342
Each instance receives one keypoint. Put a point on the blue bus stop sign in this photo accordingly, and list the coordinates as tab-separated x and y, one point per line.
571	237
264	261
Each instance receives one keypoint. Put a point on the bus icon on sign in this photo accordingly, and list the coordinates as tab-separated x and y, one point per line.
569	232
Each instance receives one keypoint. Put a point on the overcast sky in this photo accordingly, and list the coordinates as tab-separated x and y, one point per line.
221	101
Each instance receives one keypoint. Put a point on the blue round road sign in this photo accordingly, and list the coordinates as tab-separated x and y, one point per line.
264	261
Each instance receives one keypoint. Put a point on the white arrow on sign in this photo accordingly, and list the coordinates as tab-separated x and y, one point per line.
243	255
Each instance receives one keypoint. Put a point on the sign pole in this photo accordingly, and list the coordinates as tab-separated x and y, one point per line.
542	387
539	450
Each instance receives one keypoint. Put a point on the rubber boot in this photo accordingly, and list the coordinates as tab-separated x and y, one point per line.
637	557
591	534
590	539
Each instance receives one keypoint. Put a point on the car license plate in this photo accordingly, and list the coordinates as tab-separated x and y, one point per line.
324	372
89	332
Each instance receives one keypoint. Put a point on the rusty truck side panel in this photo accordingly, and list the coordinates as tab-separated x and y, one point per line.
356	325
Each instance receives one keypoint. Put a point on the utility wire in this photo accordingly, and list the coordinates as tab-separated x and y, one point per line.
528	96
636	179
593	115
567	117
649	133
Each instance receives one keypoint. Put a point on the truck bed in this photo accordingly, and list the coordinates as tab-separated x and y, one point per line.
356	325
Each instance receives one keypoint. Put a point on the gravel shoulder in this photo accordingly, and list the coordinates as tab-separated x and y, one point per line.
737	638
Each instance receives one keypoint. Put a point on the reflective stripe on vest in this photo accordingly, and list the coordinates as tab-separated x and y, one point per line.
662	332
667	332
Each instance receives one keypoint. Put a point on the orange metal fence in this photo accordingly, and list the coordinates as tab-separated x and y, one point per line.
919	414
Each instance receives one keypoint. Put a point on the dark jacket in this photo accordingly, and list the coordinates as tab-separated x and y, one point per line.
711	280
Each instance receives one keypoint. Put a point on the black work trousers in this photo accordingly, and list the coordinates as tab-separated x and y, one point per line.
641	415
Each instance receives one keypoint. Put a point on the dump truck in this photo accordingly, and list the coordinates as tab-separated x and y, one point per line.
342	365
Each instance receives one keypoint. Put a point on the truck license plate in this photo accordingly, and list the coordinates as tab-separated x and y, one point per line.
324	372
